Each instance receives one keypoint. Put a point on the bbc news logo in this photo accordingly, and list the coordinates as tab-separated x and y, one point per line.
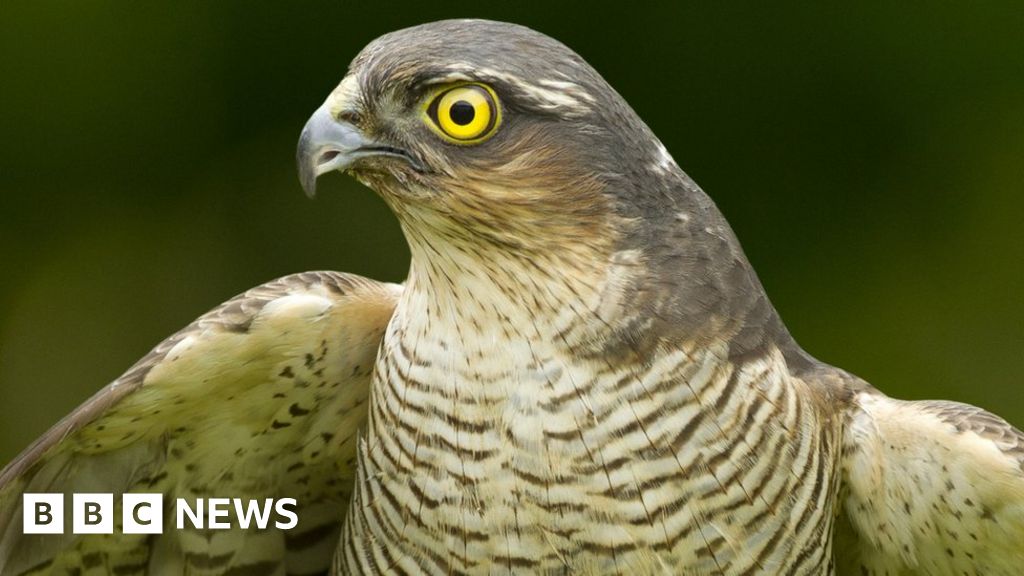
144	513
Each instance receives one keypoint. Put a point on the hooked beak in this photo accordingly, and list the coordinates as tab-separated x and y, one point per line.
327	144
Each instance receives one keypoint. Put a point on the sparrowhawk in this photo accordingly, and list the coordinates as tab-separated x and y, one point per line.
582	373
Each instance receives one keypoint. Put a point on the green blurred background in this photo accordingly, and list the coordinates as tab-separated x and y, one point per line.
870	158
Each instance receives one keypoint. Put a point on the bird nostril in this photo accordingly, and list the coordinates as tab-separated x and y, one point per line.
327	157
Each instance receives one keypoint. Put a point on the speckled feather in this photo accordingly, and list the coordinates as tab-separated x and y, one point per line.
260	397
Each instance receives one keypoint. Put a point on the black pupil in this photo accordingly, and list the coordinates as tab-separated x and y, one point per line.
462	113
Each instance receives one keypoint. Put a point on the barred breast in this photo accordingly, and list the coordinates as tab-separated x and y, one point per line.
494	448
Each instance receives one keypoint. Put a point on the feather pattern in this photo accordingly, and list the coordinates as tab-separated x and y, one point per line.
582	375
931	488
262	397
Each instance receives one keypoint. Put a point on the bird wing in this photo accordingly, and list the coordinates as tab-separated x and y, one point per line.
262	397
930	487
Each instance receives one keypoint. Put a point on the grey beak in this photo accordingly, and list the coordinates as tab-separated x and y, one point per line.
326	145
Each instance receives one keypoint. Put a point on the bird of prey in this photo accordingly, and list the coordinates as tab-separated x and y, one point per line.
581	374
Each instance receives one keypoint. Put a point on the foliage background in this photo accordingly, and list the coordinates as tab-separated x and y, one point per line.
869	156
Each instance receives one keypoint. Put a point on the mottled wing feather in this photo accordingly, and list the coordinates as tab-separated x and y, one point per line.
232	357
967	418
930	487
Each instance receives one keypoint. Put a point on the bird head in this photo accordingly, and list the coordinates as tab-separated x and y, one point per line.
492	142
484	129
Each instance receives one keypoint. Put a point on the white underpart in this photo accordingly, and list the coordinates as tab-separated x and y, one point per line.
560	440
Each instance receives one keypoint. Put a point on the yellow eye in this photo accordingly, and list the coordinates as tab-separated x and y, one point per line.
465	114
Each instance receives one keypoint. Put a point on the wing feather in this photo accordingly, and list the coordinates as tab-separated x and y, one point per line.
931	487
283	368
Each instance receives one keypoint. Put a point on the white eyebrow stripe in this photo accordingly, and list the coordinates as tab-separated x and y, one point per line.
570	87
565	99
557	95
554	99
448	78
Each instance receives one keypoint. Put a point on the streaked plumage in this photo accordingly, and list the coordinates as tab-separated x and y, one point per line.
582	373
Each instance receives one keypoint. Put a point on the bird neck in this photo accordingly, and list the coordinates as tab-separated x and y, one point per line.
491	284
665	272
